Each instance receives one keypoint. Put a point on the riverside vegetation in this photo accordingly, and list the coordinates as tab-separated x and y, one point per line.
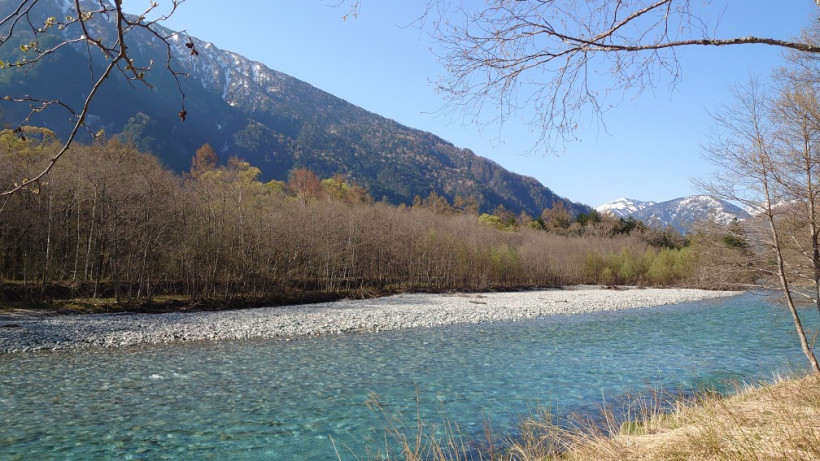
111	226
776	421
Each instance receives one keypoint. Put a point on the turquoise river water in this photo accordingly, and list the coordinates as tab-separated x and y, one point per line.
297	399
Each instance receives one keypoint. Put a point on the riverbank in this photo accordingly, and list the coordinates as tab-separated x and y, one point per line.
28	333
774	421
767	421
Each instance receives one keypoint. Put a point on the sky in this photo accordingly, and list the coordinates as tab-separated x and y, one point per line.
650	148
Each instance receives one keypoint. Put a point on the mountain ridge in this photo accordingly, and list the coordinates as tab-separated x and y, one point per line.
274	121
680	214
623	207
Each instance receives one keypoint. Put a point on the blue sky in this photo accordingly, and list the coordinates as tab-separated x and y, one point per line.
651	147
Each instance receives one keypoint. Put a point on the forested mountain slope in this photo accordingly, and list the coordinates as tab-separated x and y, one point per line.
274	121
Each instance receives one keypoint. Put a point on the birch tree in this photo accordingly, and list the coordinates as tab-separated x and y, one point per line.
766	155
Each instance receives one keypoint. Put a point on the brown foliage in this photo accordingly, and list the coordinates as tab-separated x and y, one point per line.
557	217
204	160
305	185
111	215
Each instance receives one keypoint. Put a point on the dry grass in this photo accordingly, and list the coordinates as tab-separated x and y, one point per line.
428	441
780	421
777	421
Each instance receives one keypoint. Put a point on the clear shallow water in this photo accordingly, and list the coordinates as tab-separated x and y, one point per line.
285	400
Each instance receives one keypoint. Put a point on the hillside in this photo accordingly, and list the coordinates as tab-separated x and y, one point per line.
274	121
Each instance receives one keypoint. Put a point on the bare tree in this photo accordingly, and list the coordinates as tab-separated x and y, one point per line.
568	59
761	168
798	163
86	24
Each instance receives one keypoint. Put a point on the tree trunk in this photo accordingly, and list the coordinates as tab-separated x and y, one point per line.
90	238
784	283
812	215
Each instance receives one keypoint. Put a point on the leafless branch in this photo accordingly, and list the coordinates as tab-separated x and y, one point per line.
568	59
77	29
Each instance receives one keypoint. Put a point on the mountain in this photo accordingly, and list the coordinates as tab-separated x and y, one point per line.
243	108
680	214
623	207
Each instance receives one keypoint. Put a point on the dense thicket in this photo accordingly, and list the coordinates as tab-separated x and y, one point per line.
112	221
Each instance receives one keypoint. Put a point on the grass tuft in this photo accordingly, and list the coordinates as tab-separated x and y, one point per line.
775	421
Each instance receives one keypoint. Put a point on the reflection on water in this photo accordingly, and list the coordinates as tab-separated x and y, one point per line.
286	400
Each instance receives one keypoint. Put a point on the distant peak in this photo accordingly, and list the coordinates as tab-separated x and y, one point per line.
680	213
623	207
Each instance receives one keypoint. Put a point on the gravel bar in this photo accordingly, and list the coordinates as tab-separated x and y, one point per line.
413	310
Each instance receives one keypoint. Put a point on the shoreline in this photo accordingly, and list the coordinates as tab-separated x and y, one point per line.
402	311
769	420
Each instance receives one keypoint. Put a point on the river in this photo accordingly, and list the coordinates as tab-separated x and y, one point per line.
305	399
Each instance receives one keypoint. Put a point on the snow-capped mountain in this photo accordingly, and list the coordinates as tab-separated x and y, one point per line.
680	214
623	207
